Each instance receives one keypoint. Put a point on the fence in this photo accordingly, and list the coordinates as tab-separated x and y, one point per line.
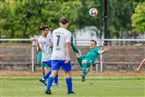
123	51
8	50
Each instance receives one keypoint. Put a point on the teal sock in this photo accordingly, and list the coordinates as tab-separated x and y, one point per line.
84	69
75	49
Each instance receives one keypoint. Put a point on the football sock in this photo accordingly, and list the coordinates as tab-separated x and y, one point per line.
56	79
69	84
47	75
84	69
79	61
42	78
75	49
50	80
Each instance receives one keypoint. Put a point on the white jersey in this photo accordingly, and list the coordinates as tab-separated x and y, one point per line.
45	44
60	37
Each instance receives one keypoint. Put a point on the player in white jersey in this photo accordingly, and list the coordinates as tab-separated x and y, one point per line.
44	46
61	55
60	37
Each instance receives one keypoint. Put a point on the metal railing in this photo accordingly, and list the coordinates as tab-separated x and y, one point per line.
32	49
101	41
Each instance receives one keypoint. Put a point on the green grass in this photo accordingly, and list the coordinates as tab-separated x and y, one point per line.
93	87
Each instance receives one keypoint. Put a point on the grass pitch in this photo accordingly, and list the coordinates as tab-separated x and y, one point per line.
92	87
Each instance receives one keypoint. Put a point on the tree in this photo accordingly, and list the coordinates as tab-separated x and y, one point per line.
138	18
24	18
6	20
119	16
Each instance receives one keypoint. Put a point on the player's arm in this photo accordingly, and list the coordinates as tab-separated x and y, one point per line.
104	50
68	47
38	48
38	45
68	50
51	44
139	67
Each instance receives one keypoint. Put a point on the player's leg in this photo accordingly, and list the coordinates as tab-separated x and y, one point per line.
84	69
56	78
67	68
86	63
55	67
43	79
43	71
47	75
79	59
88	70
50	81
69	82
75	49
56	81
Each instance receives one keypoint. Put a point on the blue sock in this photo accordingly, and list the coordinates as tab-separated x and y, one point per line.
50	80
47	75
69	84
56	79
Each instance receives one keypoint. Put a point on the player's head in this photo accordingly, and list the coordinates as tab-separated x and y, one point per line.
93	44
64	23
44	30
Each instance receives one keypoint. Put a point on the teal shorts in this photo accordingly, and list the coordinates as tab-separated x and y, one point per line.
39	60
83	57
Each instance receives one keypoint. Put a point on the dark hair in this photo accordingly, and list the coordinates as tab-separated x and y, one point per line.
94	41
63	20
43	27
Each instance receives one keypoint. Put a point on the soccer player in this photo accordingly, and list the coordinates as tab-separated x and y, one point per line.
61	55
85	61
139	67
44	45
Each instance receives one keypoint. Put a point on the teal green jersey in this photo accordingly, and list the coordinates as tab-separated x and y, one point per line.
93	54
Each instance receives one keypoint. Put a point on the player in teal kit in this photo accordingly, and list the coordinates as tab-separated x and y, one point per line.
86	60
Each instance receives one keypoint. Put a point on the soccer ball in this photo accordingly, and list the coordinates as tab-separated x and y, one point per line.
93	12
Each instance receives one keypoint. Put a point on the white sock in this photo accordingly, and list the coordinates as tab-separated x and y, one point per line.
42	78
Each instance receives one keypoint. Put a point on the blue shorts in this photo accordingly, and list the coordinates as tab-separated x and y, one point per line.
56	64
48	63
